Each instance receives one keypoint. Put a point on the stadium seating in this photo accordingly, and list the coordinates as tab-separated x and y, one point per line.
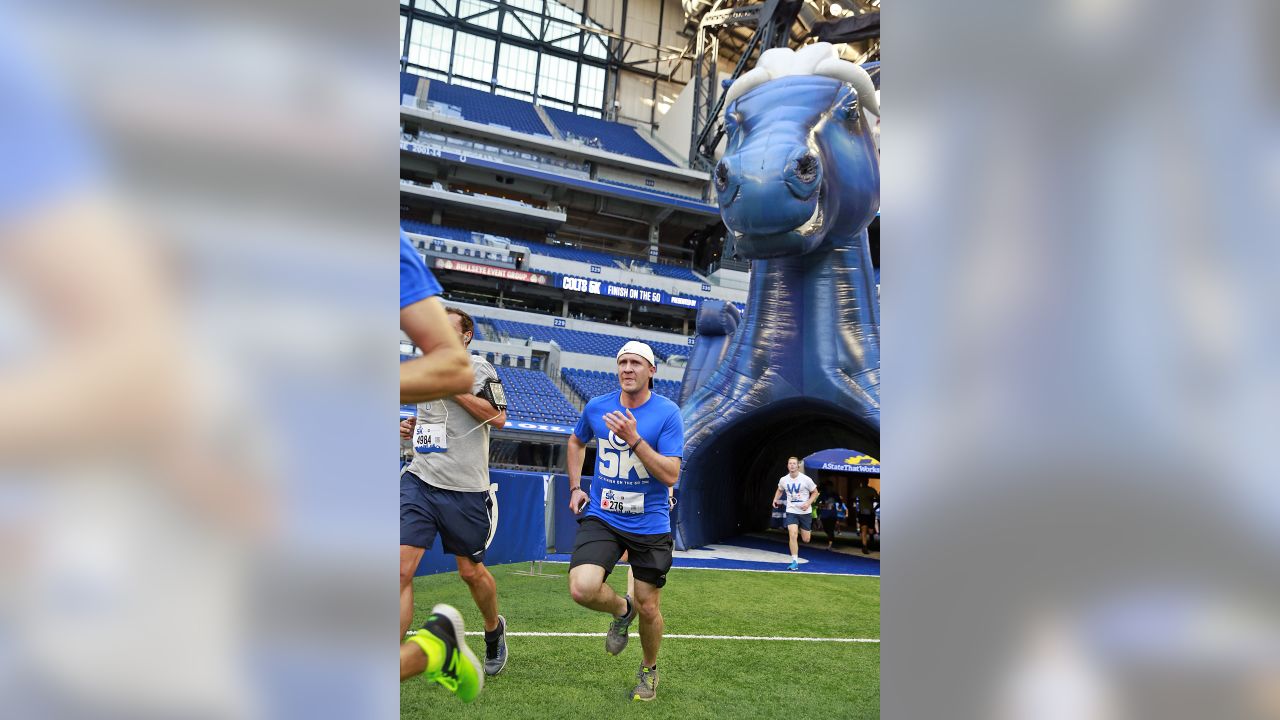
591	257
408	84
590	383
672	271
580	341
482	107
614	137
425	228
676	272
532	395
682	196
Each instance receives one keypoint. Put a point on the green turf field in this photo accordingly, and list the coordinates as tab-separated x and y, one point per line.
569	677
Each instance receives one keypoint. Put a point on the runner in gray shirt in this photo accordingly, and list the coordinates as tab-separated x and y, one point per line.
465	464
445	491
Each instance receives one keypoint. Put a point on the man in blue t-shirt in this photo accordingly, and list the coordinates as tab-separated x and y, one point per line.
439	649
640	440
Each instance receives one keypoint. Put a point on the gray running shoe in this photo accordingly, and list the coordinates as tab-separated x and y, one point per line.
616	640
646	684
495	653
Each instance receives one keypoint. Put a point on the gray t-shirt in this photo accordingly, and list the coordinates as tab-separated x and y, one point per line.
465	466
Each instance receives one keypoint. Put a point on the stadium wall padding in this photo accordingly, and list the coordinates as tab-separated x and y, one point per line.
522	527
566	523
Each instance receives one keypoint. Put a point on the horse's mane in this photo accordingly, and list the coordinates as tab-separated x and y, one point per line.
817	59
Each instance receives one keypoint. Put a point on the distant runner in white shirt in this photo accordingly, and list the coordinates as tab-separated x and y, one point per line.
799	491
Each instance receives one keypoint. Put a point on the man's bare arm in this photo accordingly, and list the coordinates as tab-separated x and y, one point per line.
665	469
444	368
576	454
482	410
101	295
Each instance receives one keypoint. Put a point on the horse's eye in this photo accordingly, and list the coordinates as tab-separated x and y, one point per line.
722	176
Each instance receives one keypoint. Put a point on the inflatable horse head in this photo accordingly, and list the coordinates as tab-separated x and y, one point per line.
797	186
800	168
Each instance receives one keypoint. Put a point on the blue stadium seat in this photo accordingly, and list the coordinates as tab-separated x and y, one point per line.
591	257
591	383
580	341
672	271
612	136
419	227
682	196
532	396
482	107
408	84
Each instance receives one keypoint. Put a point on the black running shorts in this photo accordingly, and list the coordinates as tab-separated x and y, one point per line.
599	543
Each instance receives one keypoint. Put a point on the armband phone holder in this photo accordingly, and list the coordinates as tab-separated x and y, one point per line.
493	392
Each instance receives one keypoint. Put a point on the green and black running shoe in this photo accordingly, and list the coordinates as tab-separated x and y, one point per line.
442	635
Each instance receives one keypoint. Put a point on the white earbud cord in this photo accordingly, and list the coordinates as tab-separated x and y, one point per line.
477	427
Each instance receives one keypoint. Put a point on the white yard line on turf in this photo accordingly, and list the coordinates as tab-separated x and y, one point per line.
690	637
784	572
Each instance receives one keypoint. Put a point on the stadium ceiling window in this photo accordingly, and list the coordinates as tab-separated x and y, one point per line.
474	84
517	69
473	58
429	46
556	79
591	88
555	104
522	24
445	8
560	11
596	47
512	94
482	13
564	36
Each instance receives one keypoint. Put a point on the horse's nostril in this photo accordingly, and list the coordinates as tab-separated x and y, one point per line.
807	168
722	176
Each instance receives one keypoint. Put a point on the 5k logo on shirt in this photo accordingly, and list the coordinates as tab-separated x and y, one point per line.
616	460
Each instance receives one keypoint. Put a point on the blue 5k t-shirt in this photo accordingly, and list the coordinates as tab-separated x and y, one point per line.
624	493
416	281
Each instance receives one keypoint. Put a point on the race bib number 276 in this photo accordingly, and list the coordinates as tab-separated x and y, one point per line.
622	503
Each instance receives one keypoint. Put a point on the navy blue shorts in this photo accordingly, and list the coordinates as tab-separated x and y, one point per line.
464	520
805	521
